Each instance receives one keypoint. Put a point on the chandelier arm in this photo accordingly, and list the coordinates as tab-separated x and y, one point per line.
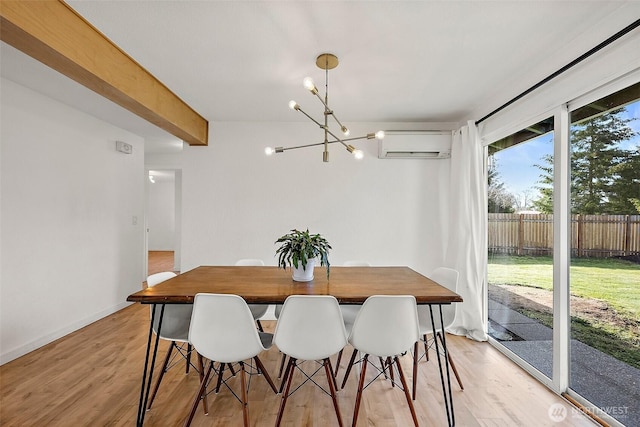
338	121
355	138
310	118
315	144
322	100
337	139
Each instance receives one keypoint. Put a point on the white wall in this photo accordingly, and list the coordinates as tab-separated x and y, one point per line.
237	201
70	251
161	214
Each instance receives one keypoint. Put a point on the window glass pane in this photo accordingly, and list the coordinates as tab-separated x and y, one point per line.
520	244
605	264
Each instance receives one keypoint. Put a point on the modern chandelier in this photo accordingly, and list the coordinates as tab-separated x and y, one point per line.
326	62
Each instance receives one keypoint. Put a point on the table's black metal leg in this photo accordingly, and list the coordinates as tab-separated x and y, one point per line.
446	364
448	400
144	397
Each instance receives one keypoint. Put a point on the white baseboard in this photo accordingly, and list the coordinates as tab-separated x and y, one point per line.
49	338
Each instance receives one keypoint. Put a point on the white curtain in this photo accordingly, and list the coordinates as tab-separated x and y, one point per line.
466	247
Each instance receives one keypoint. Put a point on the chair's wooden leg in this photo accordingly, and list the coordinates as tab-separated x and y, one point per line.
360	388
335	373
415	369
188	358
426	347
288	376
205	405
265	374
406	391
335	382
286	373
220	374
282	360
384	368
390	365
245	400
202	390
331	379
259	325
453	365
351	361
161	375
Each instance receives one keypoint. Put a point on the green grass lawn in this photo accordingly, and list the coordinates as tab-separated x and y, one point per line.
617	282
612	280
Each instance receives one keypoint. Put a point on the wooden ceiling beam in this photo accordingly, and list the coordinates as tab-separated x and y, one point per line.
56	35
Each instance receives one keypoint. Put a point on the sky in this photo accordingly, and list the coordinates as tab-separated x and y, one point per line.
515	165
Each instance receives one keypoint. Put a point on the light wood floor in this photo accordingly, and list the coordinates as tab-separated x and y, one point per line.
159	261
92	378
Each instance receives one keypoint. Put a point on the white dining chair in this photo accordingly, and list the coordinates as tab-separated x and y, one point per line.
386	326
175	329
448	278
213	339
257	310
349	311
310	327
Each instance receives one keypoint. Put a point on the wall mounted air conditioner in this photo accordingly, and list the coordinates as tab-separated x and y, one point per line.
415	144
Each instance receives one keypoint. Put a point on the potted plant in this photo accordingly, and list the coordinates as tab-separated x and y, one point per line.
299	250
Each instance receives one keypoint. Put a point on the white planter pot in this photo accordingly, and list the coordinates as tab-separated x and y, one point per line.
304	275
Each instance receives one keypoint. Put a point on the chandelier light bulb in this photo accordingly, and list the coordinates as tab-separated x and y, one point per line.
269	151
309	85
293	105
345	131
358	154
380	134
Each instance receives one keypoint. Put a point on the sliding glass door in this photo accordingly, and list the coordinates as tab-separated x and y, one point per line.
520	239
564	252
605	255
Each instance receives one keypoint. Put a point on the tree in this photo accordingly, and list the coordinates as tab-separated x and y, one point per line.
601	172
624	196
544	203
594	158
499	199
524	199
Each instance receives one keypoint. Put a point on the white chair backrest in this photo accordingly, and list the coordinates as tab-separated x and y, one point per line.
448	278
222	328
386	325
250	262
356	264
154	279
310	327
175	321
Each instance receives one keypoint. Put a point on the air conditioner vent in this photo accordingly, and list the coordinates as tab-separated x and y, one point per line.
415	144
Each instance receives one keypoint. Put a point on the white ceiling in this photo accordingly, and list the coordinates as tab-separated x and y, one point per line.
400	61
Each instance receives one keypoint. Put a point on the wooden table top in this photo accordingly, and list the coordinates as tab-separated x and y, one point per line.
272	285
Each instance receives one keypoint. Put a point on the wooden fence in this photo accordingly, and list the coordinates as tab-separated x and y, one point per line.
598	236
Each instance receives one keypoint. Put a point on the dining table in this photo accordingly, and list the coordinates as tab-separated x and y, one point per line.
272	285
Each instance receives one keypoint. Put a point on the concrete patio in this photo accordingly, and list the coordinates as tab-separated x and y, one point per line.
609	384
